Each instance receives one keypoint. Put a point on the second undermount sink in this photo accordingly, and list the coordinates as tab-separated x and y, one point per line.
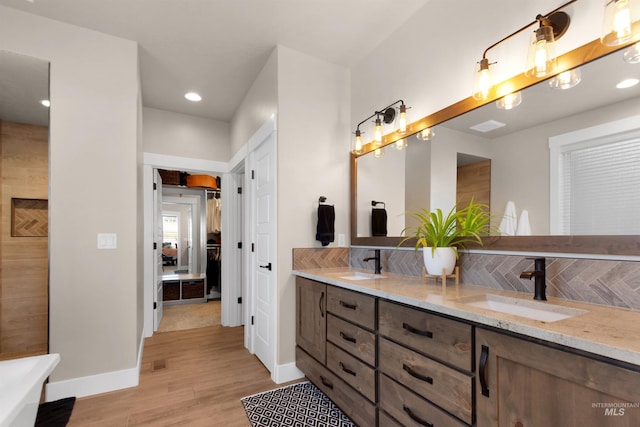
536	310
357	275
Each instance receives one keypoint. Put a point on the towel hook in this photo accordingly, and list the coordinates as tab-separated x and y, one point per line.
374	203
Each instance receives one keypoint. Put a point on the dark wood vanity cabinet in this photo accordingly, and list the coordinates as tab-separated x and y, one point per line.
336	346
525	384
425	363
311	317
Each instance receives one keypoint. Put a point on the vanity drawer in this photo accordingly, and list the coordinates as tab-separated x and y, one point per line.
353	306
444	386
384	420
356	373
352	338
410	409
353	404
444	339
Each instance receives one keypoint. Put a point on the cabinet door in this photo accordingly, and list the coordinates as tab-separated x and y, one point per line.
524	384
311	317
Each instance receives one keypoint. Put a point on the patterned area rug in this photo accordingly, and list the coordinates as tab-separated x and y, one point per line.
301	404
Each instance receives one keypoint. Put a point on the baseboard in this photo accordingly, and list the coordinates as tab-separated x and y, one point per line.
96	384
285	373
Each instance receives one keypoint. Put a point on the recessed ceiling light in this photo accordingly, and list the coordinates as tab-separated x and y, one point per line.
487	126
46	103
627	83
192	96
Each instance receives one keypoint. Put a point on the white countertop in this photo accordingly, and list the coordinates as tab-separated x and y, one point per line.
606	331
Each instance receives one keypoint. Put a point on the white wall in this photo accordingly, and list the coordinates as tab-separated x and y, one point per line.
260	102
313	161
181	135
95	311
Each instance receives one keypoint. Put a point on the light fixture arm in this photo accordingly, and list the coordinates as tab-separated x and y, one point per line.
558	21
387	116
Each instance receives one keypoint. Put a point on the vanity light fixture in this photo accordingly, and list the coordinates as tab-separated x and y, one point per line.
192	96
401	143
425	134
631	54
357	145
542	57
619	16
566	80
384	116
377	132
509	101
377	152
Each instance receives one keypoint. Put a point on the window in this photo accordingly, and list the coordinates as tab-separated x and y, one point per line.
597	181
170	229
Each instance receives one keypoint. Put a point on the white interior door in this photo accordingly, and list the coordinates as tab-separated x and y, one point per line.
264	259
157	238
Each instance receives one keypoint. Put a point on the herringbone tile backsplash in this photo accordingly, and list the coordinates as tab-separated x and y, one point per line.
615	283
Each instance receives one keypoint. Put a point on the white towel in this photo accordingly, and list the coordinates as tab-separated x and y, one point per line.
524	229
509	222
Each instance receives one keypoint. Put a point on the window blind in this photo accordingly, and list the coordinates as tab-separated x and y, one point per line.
600	187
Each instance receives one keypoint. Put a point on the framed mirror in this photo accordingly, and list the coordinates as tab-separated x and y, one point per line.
513	161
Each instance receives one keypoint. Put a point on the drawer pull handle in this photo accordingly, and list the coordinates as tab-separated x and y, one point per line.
484	358
414	374
413	330
416	418
326	382
347	337
349	306
320	305
347	370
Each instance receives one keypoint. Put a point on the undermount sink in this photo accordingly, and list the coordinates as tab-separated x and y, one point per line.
543	311
357	275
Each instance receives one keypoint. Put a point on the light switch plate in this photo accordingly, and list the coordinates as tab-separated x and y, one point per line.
107	241
341	240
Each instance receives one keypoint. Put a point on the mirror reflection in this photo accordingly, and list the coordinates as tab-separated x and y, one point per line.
562	162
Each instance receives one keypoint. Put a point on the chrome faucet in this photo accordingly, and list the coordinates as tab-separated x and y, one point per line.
376	257
540	278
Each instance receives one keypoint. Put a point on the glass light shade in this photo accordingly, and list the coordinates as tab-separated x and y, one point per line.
377	152
566	80
401	144
632	54
541	60
483	80
377	132
617	27
509	101
403	119
357	143
425	134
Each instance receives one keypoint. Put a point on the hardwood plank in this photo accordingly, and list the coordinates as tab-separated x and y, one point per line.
194	377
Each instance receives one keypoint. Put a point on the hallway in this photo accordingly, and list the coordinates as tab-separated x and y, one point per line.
194	378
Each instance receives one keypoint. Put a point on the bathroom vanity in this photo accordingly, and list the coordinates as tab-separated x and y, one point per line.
395	350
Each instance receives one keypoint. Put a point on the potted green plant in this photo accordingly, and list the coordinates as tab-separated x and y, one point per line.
440	235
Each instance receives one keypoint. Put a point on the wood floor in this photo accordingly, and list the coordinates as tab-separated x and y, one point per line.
188	378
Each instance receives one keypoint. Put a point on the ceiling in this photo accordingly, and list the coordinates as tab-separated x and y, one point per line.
218	47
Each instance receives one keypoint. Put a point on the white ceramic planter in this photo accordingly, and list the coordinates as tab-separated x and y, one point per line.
442	258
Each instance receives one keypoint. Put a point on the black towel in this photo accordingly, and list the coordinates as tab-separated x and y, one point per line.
326	219
378	222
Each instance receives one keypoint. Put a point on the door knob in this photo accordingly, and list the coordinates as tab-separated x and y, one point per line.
268	266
